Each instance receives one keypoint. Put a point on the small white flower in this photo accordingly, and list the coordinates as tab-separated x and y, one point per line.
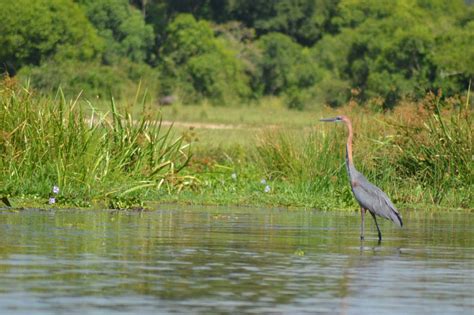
263	181
52	200
56	190
267	189
234	176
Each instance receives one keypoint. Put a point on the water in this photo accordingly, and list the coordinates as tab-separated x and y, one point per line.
215	260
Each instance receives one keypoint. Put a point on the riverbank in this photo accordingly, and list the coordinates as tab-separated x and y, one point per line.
265	155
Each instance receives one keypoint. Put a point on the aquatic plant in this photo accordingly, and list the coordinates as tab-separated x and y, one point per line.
309	164
91	156
55	190
435	150
420	156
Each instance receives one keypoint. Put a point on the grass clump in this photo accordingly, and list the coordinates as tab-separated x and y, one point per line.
308	162
107	158
436	150
420	155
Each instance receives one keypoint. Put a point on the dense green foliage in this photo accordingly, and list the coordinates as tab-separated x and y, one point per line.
123	29
229	51
93	78
394	49
33	32
285	65
201	63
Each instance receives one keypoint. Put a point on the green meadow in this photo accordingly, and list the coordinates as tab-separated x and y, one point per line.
130	155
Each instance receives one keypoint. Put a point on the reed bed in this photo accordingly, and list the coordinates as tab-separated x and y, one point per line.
91	157
421	154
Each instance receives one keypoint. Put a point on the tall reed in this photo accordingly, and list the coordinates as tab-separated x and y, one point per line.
426	160
437	152
311	162
50	141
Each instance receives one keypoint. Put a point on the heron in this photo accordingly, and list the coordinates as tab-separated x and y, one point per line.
369	196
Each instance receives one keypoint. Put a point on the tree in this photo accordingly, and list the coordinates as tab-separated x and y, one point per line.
303	20
35	30
123	29
285	64
196	61
453	55
91	78
393	49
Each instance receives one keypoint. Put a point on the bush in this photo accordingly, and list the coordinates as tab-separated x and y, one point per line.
197	62
123	29
296	98
32	31
332	91
285	64
92	78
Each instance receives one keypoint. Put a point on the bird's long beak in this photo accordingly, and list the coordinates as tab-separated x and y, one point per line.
329	119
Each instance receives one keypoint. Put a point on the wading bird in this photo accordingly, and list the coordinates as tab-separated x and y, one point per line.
369	196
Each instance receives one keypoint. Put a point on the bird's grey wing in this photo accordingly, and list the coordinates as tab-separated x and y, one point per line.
375	200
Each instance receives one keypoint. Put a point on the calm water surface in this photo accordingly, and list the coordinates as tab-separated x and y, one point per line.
220	260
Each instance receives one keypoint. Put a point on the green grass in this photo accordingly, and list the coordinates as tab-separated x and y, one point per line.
428	164
127	160
109	158
268	111
305	165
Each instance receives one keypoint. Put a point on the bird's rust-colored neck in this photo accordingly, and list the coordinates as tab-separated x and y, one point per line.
349	140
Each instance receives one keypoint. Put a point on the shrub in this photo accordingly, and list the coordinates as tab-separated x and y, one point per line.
92	78
332	91
201	64
437	150
32	31
123	29
285	64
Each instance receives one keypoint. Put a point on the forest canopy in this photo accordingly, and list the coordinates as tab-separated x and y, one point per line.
229	51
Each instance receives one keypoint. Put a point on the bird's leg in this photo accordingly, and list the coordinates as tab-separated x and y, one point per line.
376	224
362	213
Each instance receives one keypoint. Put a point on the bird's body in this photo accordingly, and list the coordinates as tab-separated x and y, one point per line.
372	198
369	196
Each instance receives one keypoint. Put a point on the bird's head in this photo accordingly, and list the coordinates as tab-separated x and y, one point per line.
341	118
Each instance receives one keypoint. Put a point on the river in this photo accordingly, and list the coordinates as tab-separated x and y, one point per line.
195	260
